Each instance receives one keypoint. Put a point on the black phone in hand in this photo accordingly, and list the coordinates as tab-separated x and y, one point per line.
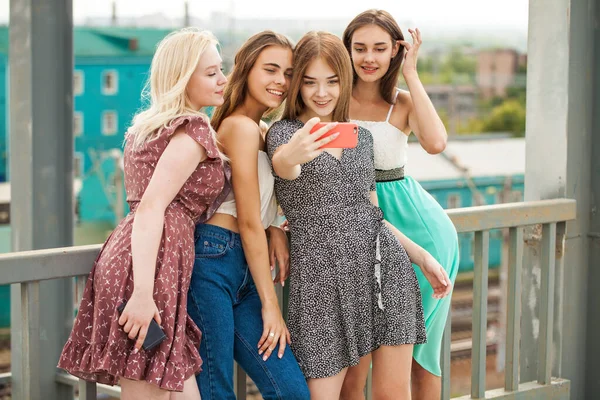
155	334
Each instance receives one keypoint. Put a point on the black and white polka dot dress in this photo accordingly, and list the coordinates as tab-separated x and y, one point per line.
352	285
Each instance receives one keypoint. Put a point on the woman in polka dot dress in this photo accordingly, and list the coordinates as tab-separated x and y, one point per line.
175	178
353	290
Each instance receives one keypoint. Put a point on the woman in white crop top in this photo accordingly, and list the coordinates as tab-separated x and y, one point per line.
378	51
232	297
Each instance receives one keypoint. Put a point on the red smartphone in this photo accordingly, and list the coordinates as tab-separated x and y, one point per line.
347	139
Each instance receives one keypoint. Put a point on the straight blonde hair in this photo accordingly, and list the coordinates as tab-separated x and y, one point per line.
331	49
174	62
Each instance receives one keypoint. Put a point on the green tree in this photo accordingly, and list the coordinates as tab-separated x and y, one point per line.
460	63
473	126
506	117
516	92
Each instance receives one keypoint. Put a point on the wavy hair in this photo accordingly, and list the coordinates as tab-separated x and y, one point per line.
237	84
174	62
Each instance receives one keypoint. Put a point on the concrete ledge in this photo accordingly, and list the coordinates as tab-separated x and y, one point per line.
559	389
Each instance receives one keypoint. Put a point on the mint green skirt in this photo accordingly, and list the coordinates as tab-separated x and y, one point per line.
412	210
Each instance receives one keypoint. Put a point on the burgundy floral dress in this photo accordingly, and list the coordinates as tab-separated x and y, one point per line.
98	348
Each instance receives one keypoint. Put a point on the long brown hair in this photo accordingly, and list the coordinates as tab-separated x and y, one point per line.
237	87
384	20
329	47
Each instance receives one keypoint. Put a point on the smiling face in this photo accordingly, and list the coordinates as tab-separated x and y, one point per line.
372	50
206	85
269	79
320	90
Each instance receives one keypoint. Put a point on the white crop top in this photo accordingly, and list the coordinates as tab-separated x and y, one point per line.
268	203
390	144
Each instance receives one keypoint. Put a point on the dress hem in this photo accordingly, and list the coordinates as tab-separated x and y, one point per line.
95	364
354	362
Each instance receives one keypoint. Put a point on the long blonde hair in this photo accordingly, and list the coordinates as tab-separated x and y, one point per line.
174	62
237	85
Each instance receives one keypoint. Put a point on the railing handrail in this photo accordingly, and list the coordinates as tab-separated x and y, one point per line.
510	215
64	262
39	265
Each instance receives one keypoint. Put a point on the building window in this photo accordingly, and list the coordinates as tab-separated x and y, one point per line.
78	164
78	83
77	123
109	123
454	201
110	82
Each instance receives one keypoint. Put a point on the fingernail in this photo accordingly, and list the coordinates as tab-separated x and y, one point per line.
272	267
281	355
135	350
260	352
282	283
265	358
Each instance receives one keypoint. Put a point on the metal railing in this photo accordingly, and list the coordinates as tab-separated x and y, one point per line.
30	267
552	216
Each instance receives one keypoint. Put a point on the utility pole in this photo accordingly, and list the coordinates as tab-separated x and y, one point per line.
113	18
186	13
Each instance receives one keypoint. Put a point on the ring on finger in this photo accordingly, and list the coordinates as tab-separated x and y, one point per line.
271	334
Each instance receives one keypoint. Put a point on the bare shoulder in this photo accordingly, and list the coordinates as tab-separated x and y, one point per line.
238	125
239	128
403	99
402	109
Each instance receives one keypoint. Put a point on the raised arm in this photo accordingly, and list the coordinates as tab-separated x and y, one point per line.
301	148
423	119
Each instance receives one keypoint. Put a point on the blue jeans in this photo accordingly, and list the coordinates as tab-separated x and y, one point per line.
223	302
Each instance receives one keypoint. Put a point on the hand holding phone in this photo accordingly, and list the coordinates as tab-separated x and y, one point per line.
303	146
155	334
347	138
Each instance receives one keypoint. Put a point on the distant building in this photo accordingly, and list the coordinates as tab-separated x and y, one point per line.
497	70
111	67
457	102
472	172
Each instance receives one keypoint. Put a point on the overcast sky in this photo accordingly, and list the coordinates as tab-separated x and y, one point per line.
451	13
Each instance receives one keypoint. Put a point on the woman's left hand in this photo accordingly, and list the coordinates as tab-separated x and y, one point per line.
437	277
278	251
275	332
410	55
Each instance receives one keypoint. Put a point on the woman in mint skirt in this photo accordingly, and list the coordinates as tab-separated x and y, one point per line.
377	48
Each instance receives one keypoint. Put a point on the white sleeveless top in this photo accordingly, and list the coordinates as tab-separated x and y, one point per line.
268	202
390	144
